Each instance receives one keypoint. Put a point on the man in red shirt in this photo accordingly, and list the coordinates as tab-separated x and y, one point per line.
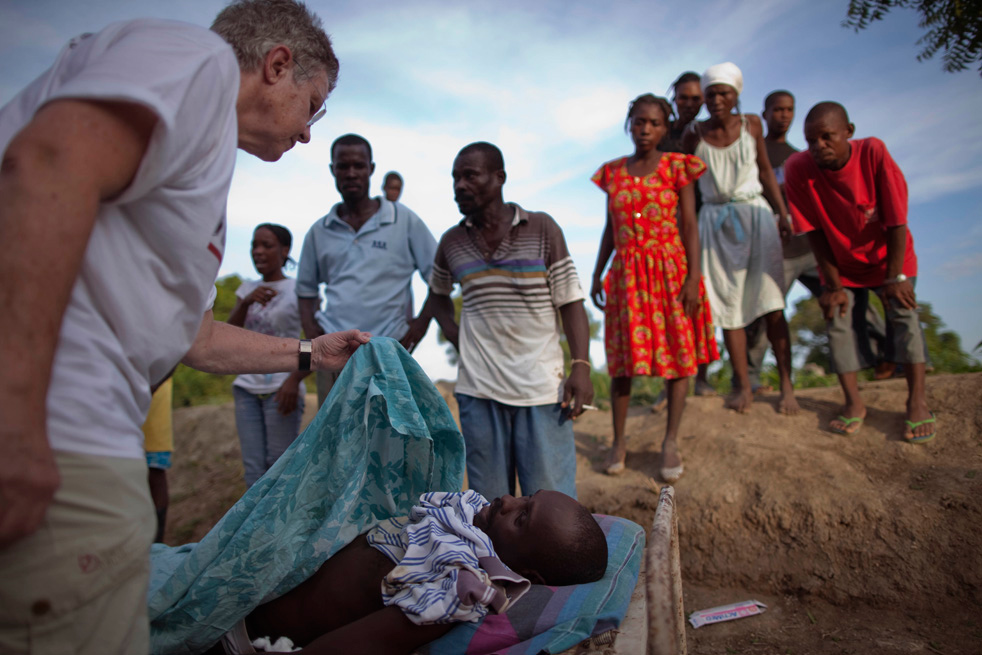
850	197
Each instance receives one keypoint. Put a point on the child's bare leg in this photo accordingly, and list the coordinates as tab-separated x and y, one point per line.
741	398
620	398
780	338
917	409
677	390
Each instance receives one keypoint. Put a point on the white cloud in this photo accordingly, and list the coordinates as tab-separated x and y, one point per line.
962	266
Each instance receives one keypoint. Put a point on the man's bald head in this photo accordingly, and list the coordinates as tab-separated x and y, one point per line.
828	109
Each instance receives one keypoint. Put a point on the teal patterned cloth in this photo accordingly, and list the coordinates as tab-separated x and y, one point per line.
383	437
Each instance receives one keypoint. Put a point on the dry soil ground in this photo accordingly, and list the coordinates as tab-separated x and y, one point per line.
861	544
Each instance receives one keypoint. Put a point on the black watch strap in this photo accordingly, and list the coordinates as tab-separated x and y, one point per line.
304	354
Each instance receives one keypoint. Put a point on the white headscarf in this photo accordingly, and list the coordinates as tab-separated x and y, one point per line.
725	73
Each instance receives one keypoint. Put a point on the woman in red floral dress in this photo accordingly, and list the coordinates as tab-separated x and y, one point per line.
658	322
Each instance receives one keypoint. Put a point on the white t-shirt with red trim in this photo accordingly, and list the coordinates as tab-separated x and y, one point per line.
149	268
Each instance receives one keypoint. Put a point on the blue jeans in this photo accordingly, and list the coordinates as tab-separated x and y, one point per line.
502	440
264	433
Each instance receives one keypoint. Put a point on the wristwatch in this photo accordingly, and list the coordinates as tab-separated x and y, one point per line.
304	355
895	280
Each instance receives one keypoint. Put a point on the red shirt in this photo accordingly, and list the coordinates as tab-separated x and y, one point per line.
853	206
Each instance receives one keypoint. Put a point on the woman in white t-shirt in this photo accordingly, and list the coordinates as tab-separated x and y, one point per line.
268	407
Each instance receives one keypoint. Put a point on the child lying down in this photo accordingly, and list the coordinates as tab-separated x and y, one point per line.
406	581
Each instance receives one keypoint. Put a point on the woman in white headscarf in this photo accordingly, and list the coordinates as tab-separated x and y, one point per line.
740	234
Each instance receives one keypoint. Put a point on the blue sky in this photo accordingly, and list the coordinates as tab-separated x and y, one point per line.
549	83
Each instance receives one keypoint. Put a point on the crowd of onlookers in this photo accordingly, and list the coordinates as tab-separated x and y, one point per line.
117	163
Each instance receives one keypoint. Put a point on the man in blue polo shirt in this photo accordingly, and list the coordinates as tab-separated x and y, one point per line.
364	251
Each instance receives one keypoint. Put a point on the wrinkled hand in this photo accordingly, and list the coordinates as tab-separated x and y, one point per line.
902	292
261	295
689	297
829	301
417	330
286	396
28	480
331	351
784	229
578	390
597	293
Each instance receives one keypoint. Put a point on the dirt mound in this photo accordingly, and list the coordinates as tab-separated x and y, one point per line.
857	544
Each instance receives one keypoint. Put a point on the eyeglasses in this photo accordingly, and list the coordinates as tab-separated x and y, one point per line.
323	110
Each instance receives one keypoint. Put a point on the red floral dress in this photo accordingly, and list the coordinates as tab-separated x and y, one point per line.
647	330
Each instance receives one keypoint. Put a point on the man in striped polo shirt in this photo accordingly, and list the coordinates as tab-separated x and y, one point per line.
515	272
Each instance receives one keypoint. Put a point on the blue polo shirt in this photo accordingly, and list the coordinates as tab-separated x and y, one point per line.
367	274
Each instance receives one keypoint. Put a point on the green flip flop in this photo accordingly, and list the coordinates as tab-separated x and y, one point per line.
849	422
911	426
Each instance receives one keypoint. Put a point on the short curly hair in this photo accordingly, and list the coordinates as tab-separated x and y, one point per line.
649	99
583	559
254	27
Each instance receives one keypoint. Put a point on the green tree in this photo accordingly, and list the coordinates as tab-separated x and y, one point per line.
944	346
193	387
808	332
954	27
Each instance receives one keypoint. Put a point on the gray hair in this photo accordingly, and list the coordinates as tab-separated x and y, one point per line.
254	27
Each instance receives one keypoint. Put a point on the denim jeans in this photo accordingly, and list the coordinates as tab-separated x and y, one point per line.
264	433
502	440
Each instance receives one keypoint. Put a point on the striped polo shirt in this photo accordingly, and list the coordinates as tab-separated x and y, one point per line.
509	323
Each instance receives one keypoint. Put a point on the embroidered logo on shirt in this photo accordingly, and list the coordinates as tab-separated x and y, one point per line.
381	245
869	213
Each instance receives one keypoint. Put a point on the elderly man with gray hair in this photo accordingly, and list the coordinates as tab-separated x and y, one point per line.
116	168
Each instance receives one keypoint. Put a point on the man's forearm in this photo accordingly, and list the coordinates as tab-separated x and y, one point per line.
896	250
576	326
223	349
308	309
442	308
825	259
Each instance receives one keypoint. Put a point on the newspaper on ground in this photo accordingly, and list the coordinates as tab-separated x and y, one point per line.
722	613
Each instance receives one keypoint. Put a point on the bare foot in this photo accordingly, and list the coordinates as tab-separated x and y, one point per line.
615	458
788	403
671	461
703	388
661	402
739	401
670	456
884	371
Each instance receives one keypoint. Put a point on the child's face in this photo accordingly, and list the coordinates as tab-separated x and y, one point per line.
688	101
649	124
527	530
779	115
